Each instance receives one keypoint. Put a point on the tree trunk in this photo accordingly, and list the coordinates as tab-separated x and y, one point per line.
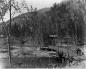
9	32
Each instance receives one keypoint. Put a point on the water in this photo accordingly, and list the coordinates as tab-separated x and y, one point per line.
81	65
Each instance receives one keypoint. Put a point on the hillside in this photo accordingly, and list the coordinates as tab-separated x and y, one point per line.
26	18
43	10
21	18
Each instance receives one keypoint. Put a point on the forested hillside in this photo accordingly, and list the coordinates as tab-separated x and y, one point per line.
64	20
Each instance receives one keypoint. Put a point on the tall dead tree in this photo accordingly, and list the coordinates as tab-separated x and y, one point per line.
9	44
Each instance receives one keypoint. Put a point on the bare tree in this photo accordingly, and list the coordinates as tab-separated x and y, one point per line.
4	7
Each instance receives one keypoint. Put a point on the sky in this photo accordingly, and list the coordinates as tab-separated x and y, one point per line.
39	4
